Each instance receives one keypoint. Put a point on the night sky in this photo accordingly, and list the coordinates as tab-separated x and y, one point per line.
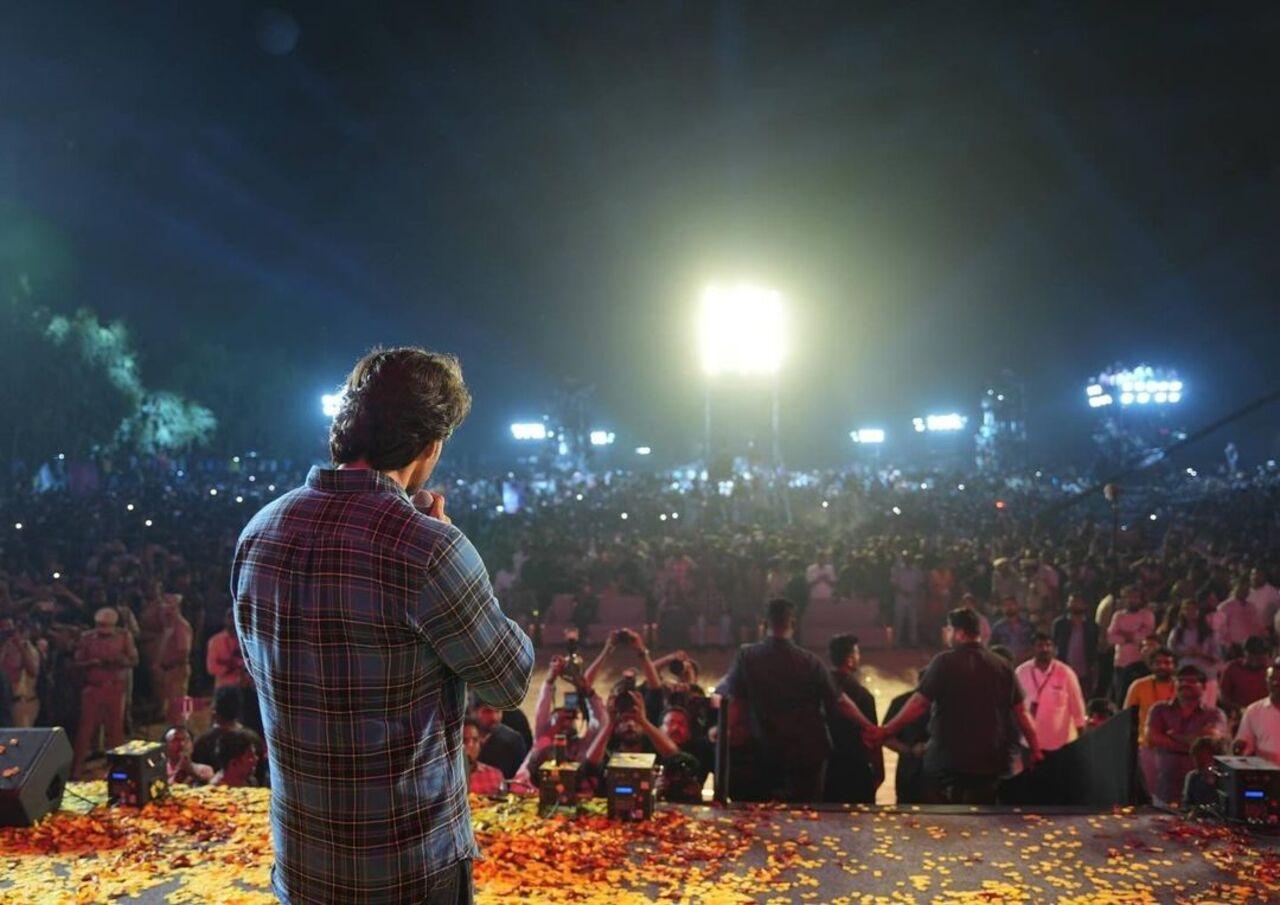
544	188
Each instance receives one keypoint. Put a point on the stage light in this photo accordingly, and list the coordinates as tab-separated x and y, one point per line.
529	430
239	499
271	487
1192	472
213	491
57	575
1000	504
675	515
867	435
897	510
662	517
1143	398
129	507
17	526
741	330
1175	396
1094	389
253	478
235	459
643	450
623	516
579	497
1152	516
331	404
601	437
62	456
500	508
147	523
942	423
959	487
1142	385
1126	399
1161	398
825	504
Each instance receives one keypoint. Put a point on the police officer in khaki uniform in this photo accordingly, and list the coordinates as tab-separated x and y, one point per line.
106	655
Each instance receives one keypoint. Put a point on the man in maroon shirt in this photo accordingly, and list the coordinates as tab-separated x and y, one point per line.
1245	680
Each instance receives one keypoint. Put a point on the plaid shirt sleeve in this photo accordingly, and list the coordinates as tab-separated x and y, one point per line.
458	614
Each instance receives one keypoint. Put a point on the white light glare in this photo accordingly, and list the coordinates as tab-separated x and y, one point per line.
623	516
213	491
1153	516
1100	401
147	523
741	330
867	435
1094	389
330	403
17	526
675	515
601	437
918	424
1192	472
950	421
1126	399
825	504
239	499
897	511
1144	397
129	507
662	517
529	430
643	450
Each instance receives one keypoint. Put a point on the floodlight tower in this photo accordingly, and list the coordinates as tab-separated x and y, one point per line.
741	333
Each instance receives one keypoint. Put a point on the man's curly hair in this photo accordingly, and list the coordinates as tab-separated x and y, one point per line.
395	403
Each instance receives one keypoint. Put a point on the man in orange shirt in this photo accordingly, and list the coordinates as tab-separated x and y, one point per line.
1144	694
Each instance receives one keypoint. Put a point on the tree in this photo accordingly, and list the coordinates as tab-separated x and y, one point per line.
72	384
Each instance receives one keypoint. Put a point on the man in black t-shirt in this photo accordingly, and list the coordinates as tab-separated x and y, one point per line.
787	694
976	709
854	771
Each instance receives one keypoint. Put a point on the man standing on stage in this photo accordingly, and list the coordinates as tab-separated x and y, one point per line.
363	617
976	707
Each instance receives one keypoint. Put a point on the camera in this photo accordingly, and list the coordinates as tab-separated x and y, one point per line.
623	702
622	637
572	670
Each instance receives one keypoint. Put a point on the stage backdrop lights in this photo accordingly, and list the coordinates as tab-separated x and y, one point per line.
529	430
601	437
1141	386
330	403
741	330
942	423
868	435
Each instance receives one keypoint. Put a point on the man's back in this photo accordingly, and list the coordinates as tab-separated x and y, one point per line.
361	622
973	693
788	693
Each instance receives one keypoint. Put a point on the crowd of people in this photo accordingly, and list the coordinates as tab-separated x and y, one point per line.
114	615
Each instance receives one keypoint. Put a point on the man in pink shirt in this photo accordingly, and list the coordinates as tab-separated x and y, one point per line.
222	656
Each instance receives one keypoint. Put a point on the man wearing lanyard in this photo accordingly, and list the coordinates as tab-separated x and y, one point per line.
1053	695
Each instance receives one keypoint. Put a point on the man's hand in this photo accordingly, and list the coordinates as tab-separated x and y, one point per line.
556	668
431	504
874	736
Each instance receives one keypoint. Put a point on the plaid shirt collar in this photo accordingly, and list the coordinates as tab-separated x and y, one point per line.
352	480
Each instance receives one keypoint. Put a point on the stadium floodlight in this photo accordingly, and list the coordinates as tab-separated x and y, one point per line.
1094	389
741	330
867	435
330	404
941	423
643	450
529	430
1142	385
601	437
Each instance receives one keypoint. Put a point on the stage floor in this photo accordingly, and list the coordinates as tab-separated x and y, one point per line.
212	846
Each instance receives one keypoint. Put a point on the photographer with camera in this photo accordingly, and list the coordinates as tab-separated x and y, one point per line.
551	723
686	759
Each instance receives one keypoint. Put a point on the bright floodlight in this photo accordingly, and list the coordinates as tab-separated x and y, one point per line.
1142	385
949	421
868	435
740	330
330	403
529	430
601	437
643	450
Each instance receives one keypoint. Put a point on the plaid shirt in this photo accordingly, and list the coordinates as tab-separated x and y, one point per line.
362	622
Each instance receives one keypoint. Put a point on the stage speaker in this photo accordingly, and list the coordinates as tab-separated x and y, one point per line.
35	765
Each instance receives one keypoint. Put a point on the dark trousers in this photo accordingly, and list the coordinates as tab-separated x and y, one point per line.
963	788
452	886
801	784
